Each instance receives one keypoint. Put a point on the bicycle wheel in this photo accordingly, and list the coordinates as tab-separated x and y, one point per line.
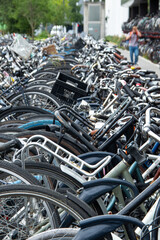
12	174
11	124
36	98
29	209
54	178
41	81
59	234
45	74
21	113
63	234
53	175
43	87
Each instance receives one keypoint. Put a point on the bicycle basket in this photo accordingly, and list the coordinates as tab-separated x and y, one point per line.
68	89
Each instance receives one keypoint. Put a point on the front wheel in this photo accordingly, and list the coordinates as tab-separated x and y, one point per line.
28	209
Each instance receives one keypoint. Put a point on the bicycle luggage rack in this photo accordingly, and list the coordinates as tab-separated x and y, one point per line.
68	89
62	155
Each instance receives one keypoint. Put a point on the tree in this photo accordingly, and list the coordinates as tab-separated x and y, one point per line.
25	16
59	11
5	12
34	11
74	12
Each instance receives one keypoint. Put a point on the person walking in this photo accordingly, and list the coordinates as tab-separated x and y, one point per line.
133	44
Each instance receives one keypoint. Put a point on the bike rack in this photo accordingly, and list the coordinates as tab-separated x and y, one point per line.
62	155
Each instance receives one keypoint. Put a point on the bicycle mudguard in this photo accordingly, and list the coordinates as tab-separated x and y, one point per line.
39	123
94	189
68	219
97	227
81	203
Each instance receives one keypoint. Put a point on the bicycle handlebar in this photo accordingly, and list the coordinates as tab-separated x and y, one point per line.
148	115
152	89
147	125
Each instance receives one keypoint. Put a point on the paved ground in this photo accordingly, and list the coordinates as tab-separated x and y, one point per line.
143	63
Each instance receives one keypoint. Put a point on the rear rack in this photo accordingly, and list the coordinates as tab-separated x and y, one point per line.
61	155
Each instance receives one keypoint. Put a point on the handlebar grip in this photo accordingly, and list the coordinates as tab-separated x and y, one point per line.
118	55
12	143
149	71
128	91
134	75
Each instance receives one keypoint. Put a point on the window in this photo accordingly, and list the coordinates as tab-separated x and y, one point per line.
94	13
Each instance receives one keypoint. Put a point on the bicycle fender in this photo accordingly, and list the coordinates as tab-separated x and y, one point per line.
94	189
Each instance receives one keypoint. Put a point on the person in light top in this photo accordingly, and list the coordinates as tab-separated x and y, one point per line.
133	44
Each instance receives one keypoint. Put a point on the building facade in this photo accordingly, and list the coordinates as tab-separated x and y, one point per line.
141	7
115	15
105	17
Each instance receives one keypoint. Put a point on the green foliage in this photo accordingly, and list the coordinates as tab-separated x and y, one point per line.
34	11
74	11
59	11
42	35
6	13
24	16
115	39
146	56
4	8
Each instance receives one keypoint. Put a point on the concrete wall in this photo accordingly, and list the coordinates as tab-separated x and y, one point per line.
116	15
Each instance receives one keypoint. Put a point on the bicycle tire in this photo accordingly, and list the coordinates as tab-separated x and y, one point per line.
59	234
43	87
53	172
62	234
35	193
53	177
45	74
11	124
37	81
11	113
11	169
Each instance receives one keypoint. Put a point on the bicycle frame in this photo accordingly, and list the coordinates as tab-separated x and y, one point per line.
78	164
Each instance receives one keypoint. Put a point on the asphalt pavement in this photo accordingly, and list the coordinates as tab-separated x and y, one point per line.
142	62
